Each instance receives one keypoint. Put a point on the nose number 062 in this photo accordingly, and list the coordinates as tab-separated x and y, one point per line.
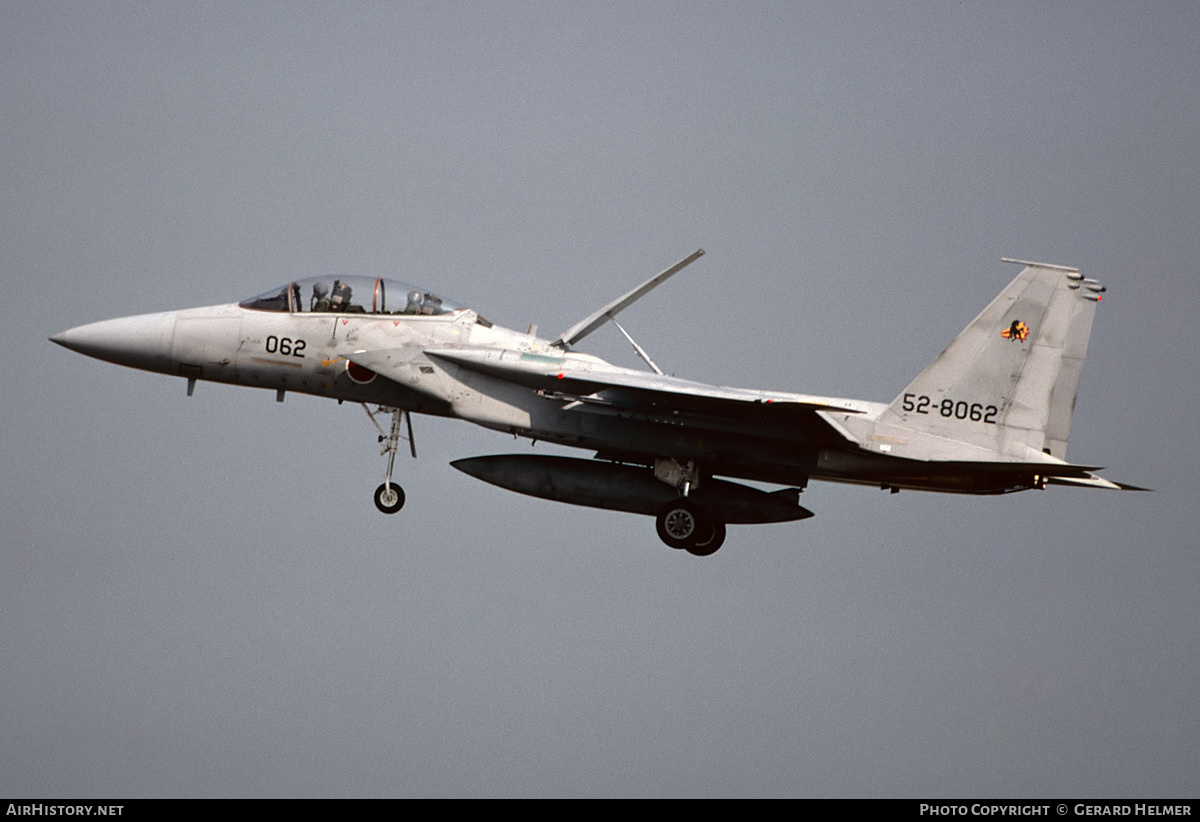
285	346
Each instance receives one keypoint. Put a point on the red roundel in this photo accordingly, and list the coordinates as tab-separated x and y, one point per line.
358	373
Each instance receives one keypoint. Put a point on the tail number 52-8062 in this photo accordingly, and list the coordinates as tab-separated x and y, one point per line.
958	409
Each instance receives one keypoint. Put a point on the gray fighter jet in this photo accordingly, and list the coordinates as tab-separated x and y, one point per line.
990	415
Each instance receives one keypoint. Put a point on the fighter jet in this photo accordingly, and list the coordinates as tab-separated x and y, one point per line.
990	415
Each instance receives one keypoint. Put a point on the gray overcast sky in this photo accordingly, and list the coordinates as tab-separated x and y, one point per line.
197	596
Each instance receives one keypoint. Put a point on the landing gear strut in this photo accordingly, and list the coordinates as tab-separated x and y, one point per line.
389	497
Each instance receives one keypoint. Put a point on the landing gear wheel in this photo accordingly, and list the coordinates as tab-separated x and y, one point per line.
708	548
389	498
681	525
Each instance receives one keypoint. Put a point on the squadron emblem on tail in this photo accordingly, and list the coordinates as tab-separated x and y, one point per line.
1017	331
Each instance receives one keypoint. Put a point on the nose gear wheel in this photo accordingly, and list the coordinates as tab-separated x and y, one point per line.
389	498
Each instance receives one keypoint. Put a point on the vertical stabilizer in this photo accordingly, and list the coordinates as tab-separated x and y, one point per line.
1010	378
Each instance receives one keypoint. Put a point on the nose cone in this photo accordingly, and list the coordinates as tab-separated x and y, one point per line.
143	341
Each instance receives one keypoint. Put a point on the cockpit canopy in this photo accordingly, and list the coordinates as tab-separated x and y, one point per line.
351	295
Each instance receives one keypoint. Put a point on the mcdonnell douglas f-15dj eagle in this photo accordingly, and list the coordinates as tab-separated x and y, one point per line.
990	415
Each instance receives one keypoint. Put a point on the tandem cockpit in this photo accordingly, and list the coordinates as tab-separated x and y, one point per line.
351	295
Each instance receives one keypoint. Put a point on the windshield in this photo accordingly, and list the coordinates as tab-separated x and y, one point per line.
351	295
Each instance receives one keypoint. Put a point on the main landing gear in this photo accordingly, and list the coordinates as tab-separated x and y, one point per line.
389	497
681	523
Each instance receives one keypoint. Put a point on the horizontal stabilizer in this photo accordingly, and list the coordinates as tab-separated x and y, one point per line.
1054	473
1093	481
1048	470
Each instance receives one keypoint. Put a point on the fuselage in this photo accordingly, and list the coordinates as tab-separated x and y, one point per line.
313	353
374	340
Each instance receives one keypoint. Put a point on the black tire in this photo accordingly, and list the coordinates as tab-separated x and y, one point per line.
680	524
384	501
712	544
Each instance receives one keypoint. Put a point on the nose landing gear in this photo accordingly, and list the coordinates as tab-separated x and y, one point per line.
389	497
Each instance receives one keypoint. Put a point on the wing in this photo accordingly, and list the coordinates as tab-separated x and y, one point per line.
593	382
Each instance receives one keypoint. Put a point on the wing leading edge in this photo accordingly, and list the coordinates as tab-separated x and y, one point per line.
590	378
